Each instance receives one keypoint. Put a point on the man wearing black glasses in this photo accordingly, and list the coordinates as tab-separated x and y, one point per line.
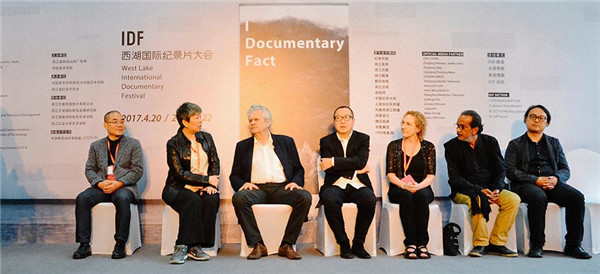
538	171
113	169
344	156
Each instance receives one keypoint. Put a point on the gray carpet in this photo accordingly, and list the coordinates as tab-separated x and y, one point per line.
56	258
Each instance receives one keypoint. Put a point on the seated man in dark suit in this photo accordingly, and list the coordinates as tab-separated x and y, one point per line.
344	156
476	174
538	172
267	169
113	168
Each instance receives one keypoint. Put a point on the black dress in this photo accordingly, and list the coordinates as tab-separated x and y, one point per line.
414	208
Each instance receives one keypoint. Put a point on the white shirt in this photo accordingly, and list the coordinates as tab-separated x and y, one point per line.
266	167
342	182
198	163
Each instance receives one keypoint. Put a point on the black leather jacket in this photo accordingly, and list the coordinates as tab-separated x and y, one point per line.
178	159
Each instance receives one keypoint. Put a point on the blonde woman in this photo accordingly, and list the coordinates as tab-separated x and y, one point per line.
410	168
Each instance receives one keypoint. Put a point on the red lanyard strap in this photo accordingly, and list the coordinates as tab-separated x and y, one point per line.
405	163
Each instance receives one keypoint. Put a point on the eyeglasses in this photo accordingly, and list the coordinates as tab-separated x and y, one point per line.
461	127
116	122
540	118
343	118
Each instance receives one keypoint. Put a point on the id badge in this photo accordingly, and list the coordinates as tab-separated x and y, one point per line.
110	170
110	173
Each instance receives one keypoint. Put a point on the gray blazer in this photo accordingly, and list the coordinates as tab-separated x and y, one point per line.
129	165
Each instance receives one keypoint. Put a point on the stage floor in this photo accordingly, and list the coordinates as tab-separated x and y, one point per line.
56	258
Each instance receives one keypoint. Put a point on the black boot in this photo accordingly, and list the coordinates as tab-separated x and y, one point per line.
345	251
83	251
119	250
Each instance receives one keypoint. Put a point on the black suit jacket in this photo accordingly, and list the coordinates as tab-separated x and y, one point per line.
357	155
517	160
461	160
286	151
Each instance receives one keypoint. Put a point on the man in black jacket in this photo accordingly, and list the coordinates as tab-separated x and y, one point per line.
476	176
344	156
538	171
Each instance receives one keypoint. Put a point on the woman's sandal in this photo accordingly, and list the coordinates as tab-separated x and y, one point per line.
423	252
410	252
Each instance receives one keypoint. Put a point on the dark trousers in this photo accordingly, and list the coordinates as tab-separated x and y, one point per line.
414	213
92	196
333	198
197	217
537	201
271	193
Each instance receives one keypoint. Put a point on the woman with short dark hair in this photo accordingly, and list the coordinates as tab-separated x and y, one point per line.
192	183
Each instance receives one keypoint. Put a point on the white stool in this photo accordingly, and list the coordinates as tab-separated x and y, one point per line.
591	235
391	232
555	228
103	229
170	229
583	164
326	242
272	220
460	215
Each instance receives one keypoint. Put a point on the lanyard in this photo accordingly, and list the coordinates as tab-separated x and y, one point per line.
109	153
405	163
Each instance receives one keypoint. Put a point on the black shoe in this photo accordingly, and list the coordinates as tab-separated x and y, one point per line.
501	250
345	251
577	252
359	251
535	252
118	251
478	251
83	251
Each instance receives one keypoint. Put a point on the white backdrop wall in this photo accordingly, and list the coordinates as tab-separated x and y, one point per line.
63	67
550	58
90	34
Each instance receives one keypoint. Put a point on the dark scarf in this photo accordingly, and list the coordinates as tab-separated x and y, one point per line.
484	209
